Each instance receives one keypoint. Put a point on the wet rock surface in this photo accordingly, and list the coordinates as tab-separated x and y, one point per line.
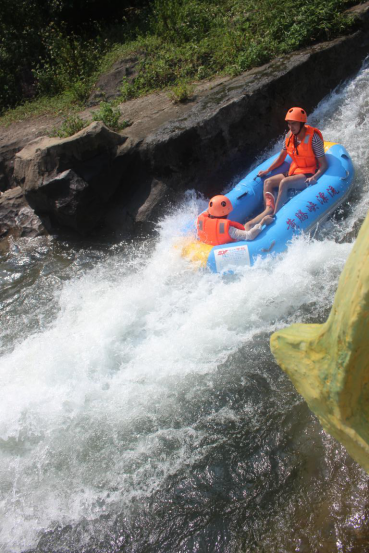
70	181
101	178
17	217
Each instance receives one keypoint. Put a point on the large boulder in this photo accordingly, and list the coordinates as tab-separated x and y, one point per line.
68	200
71	180
17	217
88	153
94	177
99	177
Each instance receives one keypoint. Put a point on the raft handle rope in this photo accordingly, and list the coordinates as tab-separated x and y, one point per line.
346	177
242	195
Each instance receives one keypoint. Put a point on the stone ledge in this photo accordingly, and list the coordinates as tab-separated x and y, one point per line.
204	144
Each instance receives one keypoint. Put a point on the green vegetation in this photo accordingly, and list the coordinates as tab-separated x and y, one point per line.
69	64
181	93
54	105
51	53
110	117
71	125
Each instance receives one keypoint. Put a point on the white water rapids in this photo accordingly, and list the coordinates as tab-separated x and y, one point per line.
107	368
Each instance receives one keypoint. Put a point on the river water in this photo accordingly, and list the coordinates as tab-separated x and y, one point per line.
140	407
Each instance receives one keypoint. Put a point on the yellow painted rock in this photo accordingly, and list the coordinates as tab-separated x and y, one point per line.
329	363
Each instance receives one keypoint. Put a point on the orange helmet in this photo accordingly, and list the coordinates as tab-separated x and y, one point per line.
296	114
219	206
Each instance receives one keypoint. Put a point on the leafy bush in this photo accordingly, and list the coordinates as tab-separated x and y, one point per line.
183	20
38	39
181	93
127	90
195	39
70	126
69	63
110	117
20	22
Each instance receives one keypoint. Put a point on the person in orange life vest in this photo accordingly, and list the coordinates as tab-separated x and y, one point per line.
305	145
214	227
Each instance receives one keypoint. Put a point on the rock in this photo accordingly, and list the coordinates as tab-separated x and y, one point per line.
109	85
329	363
16	216
7	154
70	180
88	153
17	136
360	13
141	210
219	137
159	198
68	201
205	144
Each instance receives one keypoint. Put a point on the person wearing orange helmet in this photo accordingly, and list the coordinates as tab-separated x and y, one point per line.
214	227
305	145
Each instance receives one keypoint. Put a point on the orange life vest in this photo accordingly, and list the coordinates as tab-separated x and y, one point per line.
303	158
215	231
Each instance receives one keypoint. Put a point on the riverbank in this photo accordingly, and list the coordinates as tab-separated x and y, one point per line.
169	148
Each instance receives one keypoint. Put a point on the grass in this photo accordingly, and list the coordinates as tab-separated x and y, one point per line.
44	105
181	93
110	116
71	125
106	113
183	41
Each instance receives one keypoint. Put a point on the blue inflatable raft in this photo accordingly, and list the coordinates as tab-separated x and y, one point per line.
302	213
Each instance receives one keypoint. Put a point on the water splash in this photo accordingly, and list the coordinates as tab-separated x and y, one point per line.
140	384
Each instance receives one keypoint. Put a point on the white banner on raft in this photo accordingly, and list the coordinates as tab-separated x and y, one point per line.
235	256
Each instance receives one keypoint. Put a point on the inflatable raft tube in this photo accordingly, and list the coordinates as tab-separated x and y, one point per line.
302	213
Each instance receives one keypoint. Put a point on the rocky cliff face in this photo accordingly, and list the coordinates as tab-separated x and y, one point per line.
101	178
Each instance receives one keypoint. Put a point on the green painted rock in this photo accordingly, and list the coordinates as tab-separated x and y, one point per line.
329	363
